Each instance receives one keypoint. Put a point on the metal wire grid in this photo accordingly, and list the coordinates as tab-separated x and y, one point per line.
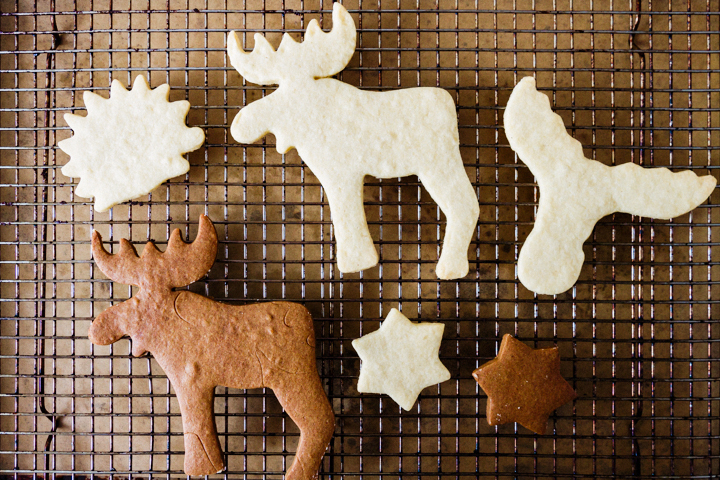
636	334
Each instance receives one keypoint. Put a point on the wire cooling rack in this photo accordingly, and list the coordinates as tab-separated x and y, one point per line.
635	82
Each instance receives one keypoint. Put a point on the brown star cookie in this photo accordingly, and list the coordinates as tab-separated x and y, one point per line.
523	385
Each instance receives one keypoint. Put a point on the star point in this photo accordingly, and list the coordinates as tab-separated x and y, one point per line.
523	385
400	359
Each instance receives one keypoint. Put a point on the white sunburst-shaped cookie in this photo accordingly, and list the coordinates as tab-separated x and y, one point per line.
129	143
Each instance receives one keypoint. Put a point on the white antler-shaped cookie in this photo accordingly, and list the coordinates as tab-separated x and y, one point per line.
344	134
576	192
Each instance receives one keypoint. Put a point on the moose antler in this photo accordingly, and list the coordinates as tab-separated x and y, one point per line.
180	265
320	55
123	267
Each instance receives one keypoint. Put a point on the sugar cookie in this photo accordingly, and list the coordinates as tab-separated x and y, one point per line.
344	134
401	359
128	144
576	192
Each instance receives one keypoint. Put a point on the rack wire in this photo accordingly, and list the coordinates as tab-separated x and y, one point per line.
638	335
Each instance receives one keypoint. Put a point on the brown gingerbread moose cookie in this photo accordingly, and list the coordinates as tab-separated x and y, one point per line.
201	343
523	385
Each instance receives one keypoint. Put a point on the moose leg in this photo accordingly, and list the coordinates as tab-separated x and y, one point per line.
455	196
355	249
202	448
306	403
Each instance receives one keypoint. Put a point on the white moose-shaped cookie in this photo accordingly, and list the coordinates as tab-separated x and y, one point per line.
344	134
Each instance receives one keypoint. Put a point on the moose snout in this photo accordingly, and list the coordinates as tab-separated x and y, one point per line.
243	129
102	331
238	129
249	125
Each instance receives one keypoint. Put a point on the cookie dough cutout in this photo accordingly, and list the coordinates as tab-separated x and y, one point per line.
401	359
344	134
523	385
576	192
128	144
201	343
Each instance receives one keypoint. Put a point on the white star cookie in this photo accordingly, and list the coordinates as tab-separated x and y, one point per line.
576	192
400	359
128	144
